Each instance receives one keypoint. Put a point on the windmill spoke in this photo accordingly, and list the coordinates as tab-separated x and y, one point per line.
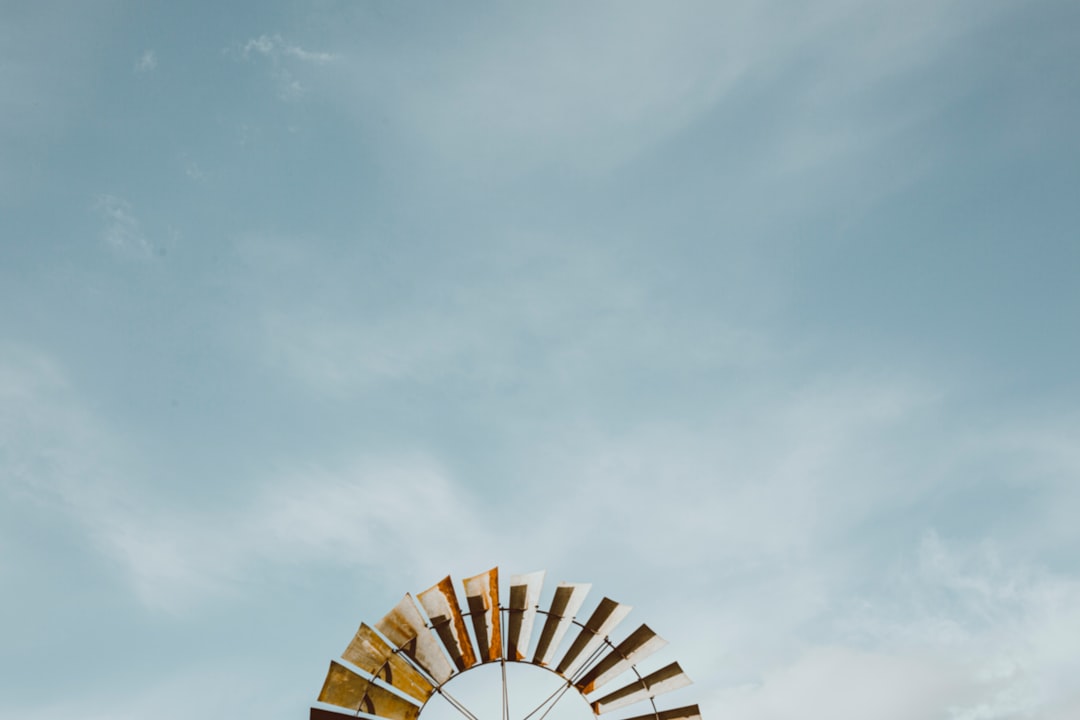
457	705
423	643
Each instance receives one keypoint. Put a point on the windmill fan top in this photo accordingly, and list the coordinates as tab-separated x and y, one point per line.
396	666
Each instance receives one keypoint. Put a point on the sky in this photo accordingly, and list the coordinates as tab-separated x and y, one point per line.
761	317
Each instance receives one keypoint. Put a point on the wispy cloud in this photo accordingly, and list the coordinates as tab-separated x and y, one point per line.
274	46
375	515
122	230
764	519
965	631
287	59
192	169
496	326
623	77
146	63
847	684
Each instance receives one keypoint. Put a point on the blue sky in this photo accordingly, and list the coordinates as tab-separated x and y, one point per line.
761	317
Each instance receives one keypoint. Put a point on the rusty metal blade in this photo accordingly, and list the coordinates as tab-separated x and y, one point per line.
690	712
603	620
482	593
567	601
639	645
349	690
321	714
372	654
441	605
668	678
405	629
524	596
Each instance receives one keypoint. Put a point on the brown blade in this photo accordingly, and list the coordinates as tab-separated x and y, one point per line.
666	679
690	712
349	690
607	615
321	714
524	596
482	593
405	629
639	645
567	601
372	654
441	605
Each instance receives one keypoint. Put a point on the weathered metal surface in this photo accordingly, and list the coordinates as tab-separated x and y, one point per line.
668	678
349	690
322	714
639	645
603	620
524	596
405	628
441	605
402	674
482	593
567	601
690	712
372	654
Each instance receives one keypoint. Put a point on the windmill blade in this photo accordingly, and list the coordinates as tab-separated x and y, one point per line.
405	628
639	645
482	594
351	691
564	606
321	714
666	679
441	605
524	597
607	615
372	654
690	712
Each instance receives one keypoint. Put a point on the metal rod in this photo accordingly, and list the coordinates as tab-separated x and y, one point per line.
506	697
562	694
556	696
456	704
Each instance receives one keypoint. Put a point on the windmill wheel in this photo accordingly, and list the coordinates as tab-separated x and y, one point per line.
393	670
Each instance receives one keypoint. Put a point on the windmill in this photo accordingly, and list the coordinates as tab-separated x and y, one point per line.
393	669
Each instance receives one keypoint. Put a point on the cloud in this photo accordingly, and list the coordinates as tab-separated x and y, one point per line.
123	231
146	63
281	53
967	633
193	171
488	318
275	47
263	45
49	441
375	515
847	684
756	514
593	87
167	695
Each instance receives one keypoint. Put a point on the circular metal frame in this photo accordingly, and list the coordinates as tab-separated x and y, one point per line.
403	660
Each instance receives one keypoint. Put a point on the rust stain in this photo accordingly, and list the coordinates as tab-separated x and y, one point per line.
372	654
482	594
405	628
347	689
441	604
